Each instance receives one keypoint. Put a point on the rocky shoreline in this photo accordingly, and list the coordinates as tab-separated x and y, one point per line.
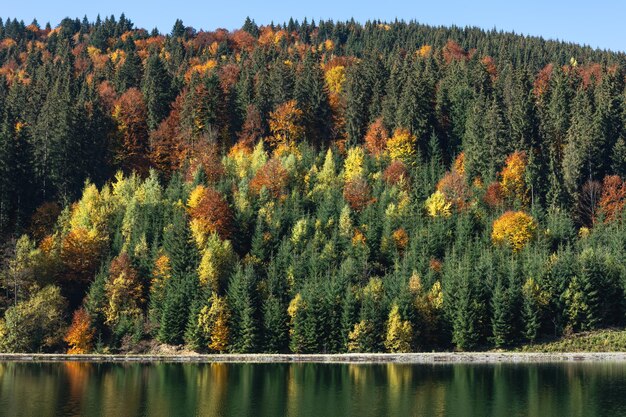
365	358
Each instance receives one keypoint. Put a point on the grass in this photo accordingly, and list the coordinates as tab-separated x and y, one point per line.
608	340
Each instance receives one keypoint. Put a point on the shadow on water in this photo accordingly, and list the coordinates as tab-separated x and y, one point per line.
218	389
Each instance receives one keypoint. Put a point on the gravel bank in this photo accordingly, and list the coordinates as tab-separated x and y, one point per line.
408	358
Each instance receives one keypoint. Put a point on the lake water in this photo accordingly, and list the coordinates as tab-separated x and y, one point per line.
162	389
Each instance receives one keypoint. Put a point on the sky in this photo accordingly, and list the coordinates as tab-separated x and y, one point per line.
598	23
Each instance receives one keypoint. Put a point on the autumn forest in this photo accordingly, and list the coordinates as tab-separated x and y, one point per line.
306	187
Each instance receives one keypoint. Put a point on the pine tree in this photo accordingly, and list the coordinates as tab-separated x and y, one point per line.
129	73
243	306
274	325
311	94
182	287
156	89
501	321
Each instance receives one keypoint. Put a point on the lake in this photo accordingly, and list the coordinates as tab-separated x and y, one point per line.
221	389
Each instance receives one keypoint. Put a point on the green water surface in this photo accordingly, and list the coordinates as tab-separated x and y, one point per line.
162	389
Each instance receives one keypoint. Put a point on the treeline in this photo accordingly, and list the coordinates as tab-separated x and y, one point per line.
307	187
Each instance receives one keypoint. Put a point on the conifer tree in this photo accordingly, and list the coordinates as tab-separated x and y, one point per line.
243	306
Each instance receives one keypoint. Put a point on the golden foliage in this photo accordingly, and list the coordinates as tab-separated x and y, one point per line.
286	124
514	229
459	164
424	51
214	323
437	205
80	334
80	254
353	164
123	290
130	114
532	290
399	332
216	264
512	181
201	69
357	334
335	77
402	146
400	239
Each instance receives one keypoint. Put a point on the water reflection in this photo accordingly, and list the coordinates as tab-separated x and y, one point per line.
92	389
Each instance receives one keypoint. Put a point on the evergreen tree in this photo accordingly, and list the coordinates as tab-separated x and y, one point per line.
182	287
156	89
243	307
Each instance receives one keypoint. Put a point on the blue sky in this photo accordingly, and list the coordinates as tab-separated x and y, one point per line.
597	23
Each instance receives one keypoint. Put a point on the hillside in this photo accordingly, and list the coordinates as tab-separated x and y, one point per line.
307	187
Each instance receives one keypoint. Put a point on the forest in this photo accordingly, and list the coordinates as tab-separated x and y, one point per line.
306	187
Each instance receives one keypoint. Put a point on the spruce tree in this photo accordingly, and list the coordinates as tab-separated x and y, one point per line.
243	306
156	89
182	287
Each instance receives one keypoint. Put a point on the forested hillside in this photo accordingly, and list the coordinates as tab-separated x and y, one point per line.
306	187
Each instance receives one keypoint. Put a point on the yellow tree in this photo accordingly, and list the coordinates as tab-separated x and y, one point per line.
402	146
512	183
218	259
514	229
399	332
123	290
437	205
214	323
335	77
353	165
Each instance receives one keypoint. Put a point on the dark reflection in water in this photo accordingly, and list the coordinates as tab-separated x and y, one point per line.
89	389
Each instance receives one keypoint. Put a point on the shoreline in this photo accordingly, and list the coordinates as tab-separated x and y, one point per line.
348	358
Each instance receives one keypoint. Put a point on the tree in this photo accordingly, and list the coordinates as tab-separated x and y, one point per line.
437	205
217	263
275	331
214	321
81	251
512	179
272	176
181	288
156	88
376	137
357	194
36	324
243	306
534	302
80	335
286	125
513	228
123	290
130	114
399	332
402	146
581	148
613	199
501	321
210	213
311	94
